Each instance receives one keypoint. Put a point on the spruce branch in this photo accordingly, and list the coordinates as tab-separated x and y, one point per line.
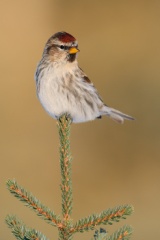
65	225
21	232
105	217
123	233
33	203
17	227
65	164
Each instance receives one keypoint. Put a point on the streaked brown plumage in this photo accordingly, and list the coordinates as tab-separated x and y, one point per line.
63	87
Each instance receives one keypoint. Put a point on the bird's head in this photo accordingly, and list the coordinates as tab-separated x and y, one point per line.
61	47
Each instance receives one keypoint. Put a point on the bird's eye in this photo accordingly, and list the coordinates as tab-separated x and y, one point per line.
62	46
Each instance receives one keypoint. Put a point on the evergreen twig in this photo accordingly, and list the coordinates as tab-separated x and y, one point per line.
66	180
65	163
105	217
21	232
65	225
32	202
123	233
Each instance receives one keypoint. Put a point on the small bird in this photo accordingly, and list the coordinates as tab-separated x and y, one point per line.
63	87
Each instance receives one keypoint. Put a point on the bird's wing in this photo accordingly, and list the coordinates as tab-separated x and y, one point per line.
84	76
85	79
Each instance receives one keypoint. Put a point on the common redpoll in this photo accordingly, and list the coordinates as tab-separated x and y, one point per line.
63	87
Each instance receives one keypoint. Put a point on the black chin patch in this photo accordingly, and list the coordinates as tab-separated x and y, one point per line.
72	57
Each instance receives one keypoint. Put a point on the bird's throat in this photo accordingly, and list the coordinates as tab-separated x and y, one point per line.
71	57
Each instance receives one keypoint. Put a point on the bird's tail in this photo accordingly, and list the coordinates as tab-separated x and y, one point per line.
118	116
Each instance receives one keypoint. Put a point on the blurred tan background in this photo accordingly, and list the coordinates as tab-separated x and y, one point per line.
113	164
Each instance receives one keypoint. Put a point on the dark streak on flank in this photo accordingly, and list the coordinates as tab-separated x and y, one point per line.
86	79
89	103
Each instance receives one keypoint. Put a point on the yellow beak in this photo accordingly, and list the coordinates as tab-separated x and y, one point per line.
73	50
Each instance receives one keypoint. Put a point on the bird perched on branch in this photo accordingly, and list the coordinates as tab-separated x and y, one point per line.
63	87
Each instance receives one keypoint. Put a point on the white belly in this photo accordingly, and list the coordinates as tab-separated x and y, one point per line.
60	95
